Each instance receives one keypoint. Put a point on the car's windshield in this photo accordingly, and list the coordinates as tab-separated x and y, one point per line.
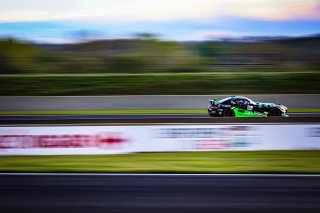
251	101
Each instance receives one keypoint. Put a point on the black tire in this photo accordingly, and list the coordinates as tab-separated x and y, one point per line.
228	113
275	112
209	113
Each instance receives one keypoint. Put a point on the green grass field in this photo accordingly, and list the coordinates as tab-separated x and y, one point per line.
184	162
161	83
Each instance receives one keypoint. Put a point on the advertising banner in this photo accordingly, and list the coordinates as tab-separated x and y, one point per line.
66	140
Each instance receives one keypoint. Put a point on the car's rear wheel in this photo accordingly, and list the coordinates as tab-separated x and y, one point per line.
228	113
275	112
211	115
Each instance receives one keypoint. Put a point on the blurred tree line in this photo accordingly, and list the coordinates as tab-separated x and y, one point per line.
111	67
146	54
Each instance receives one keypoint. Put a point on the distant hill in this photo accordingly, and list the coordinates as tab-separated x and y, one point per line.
118	46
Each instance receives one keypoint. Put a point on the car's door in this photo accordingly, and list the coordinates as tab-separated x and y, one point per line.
243	108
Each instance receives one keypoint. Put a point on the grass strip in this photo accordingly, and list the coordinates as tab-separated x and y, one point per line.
161	84
294	162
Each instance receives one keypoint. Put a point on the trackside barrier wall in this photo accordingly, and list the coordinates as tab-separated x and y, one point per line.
69	140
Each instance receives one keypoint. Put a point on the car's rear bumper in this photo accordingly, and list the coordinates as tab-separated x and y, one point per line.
215	112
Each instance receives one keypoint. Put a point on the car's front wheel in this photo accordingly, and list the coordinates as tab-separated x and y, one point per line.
275	112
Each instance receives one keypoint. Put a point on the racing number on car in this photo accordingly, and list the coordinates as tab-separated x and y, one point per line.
249	107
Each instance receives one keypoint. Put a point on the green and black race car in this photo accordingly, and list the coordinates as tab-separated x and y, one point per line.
239	106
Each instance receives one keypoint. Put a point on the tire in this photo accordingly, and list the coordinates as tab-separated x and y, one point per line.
228	113
209	113
275	112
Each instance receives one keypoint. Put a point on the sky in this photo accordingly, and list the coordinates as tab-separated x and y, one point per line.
63	21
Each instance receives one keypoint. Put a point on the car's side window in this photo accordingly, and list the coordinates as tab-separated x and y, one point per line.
228	102
245	102
232	101
242	102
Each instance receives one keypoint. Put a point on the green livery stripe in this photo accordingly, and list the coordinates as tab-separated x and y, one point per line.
246	113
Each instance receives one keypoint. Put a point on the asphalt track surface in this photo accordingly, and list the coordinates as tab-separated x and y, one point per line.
159	193
150	119
124	102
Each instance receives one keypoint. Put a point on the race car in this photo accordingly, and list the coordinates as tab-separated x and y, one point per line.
240	106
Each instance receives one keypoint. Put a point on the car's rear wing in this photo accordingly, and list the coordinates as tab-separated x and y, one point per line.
211	101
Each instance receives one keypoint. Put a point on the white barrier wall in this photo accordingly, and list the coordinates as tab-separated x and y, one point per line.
67	140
